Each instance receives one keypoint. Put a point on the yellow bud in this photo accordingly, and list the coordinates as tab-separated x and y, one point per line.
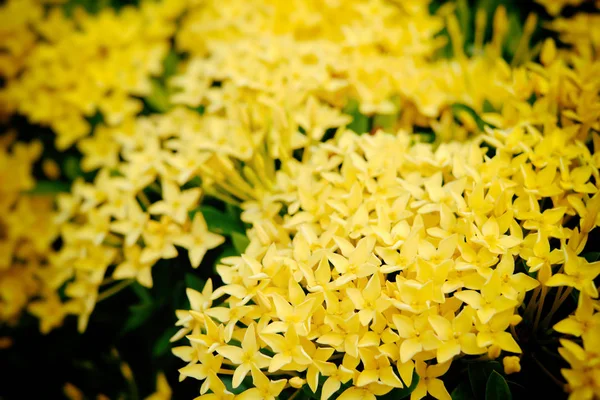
480	24
51	168
530	24
500	27
494	351
5	342
72	392
548	52
511	364
126	371
297	382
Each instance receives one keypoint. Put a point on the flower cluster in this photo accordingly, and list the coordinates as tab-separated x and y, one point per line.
375	258
27	231
119	52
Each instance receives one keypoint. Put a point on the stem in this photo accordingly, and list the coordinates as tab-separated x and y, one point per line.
291	373
294	395
114	290
108	280
112	240
226	371
531	305
143	199
556	305
223	197
554	379
155	188
540	308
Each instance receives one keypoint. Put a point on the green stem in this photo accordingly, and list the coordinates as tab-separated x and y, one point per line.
545	370
556	305
540	307
114	290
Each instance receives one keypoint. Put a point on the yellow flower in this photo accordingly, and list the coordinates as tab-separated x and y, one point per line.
246	357
456	336
163	390
336	376
206	370
493	333
417	335
133	267
429	382
370	300
175	203
198	240
583	321
579	274
289	352
264	388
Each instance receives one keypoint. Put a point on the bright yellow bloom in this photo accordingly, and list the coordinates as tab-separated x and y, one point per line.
246	357
163	390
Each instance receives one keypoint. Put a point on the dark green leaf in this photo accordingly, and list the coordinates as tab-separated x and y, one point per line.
462	392
385	122
488	107
240	242
49	187
246	383
163	344
159	98
220	222
307	391
360	122
479	373
142	293
592	256
497	388
71	168
194	282
170	64
138	315
457	108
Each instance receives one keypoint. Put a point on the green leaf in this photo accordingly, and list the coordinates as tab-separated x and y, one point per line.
385	122
220	222
246	384
592	256
49	187
479	373
497	388
142	293
240	242
139	314
462	392
194	282
163	344
360	122
488	107
457	108
71	168
158	100
170	64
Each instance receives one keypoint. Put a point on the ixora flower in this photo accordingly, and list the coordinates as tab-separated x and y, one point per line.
376	262
328	291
